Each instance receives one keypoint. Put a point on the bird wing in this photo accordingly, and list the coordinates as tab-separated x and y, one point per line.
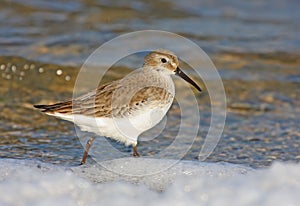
115	99
93	103
118	98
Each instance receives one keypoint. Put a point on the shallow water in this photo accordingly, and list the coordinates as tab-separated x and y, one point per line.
254	45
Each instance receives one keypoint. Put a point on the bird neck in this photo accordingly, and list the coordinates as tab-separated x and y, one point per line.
159	77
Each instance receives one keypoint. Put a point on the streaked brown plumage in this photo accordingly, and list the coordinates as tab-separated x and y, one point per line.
98	103
142	98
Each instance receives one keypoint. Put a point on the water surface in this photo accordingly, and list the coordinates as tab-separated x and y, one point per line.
254	45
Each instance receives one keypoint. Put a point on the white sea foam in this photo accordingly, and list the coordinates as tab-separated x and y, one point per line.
24	182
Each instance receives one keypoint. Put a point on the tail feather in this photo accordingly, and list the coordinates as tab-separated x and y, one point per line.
62	107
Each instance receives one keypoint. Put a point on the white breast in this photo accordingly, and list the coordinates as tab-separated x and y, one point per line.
125	130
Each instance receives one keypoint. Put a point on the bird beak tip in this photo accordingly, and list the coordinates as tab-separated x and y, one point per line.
180	73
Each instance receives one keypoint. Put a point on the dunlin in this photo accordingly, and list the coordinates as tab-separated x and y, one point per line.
123	109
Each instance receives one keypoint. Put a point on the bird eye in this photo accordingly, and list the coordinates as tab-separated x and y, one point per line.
163	60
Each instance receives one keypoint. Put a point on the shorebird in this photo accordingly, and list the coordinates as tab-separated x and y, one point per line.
125	108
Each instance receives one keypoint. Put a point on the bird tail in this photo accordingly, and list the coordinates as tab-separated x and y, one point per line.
61	107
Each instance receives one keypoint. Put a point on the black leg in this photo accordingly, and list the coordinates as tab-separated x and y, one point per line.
87	148
135	152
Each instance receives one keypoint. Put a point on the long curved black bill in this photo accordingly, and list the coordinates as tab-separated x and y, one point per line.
180	73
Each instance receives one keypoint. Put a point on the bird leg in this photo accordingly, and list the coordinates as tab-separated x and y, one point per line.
87	148
135	152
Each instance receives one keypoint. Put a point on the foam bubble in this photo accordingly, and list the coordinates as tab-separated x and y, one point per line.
187	183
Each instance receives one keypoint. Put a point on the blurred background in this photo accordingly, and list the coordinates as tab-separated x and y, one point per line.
254	45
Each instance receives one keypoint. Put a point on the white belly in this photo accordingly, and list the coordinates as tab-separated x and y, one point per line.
125	130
